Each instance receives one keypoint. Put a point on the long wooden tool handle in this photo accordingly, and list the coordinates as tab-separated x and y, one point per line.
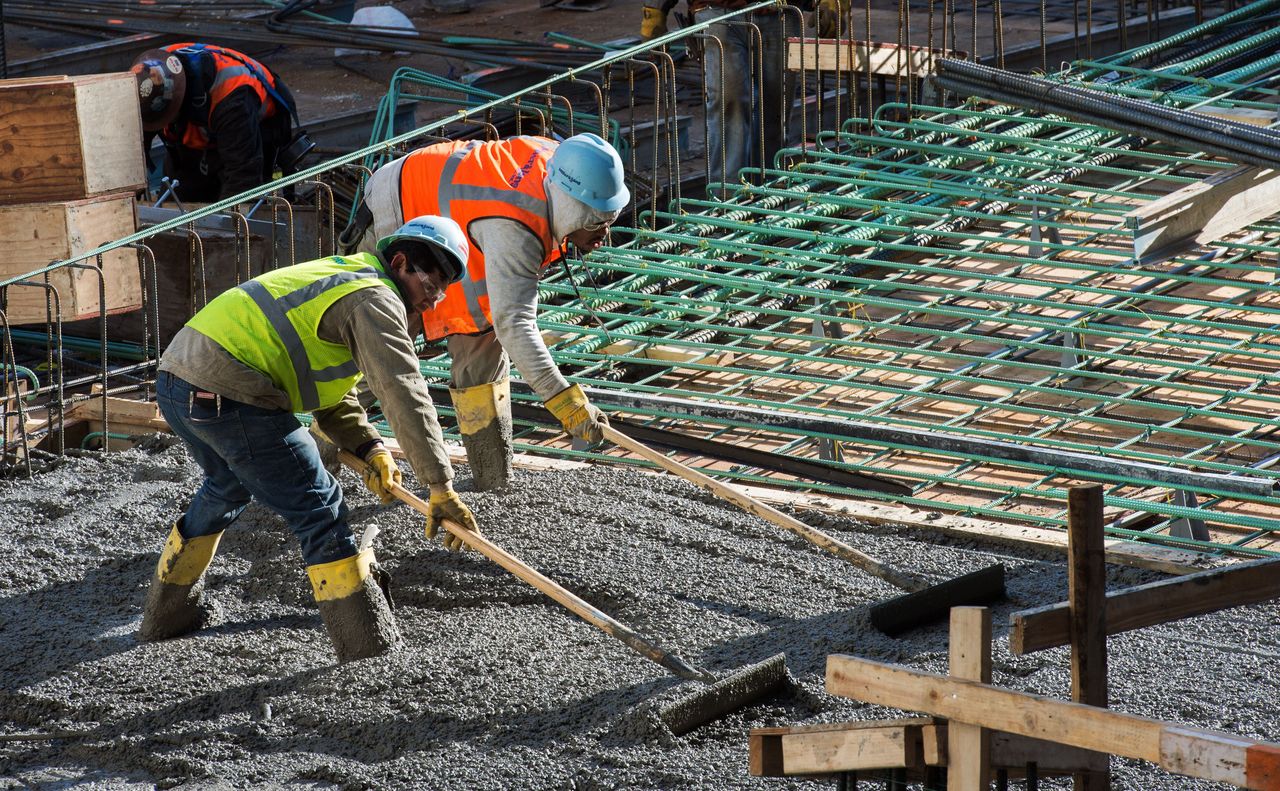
520	569
907	582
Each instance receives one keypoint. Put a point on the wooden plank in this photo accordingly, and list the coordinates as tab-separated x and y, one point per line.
58	146
1012	752
1203	212
886	59
764	754
837	747
889	747
35	234
1251	582
902	613
1202	753
1086	592
969	745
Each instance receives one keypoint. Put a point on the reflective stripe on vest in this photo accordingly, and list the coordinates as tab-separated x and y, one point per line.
270	324
231	72
473	180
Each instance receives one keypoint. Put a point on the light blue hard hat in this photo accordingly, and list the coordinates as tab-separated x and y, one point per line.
440	232
589	170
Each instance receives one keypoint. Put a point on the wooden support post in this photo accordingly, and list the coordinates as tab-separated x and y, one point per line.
1086	591
969	746
1155	603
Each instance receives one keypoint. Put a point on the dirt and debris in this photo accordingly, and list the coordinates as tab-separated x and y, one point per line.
499	687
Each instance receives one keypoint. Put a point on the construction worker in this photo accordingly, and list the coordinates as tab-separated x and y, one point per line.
297	339
519	200
226	121
734	121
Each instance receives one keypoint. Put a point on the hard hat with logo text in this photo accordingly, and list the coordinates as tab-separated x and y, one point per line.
442	234
589	170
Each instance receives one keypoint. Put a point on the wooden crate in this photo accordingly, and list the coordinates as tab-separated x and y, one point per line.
67	138
34	235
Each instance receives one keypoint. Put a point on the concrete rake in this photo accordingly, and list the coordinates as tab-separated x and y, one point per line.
923	601
714	698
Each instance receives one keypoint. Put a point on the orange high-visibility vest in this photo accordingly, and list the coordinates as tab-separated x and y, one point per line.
234	69
473	180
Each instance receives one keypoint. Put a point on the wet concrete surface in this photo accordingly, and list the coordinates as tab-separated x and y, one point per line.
498	687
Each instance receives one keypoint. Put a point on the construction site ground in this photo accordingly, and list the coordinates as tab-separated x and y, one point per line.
497	687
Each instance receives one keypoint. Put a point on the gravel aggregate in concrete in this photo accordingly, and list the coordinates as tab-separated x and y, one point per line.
498	687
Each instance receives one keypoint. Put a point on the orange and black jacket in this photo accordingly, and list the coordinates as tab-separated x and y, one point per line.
234	105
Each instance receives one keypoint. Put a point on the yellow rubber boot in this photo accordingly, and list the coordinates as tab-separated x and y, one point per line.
176	604
355	610
484	418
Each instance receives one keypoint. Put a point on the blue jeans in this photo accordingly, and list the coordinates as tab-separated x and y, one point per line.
249	452
743	115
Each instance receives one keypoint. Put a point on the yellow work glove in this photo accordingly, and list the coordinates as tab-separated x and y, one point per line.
578	416
446	504
381	473
829	17
653	23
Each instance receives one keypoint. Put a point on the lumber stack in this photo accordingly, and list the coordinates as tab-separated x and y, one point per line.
70	165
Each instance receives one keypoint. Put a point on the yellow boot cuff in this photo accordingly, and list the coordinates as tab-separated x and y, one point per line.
183	560
478	406
339	579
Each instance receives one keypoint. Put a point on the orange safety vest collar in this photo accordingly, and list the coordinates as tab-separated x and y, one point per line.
473	180
232	73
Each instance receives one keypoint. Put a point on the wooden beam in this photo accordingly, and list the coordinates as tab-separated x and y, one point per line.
1012	752
890	60
1203	212
902	613
1155	603
837	747
1201	753
1086	591
969	657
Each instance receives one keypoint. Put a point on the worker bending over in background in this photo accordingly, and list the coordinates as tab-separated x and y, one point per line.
519	201
223	117
734	121
292	340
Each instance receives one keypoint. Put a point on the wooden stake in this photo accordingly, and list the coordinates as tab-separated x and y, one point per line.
1086	593
969	746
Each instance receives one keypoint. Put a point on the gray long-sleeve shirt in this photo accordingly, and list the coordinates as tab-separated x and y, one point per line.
372	323
512	262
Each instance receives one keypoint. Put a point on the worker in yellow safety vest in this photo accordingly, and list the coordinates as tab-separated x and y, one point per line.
520	201
296	340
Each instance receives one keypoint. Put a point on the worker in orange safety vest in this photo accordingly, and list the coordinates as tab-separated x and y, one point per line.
225	119
519	200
